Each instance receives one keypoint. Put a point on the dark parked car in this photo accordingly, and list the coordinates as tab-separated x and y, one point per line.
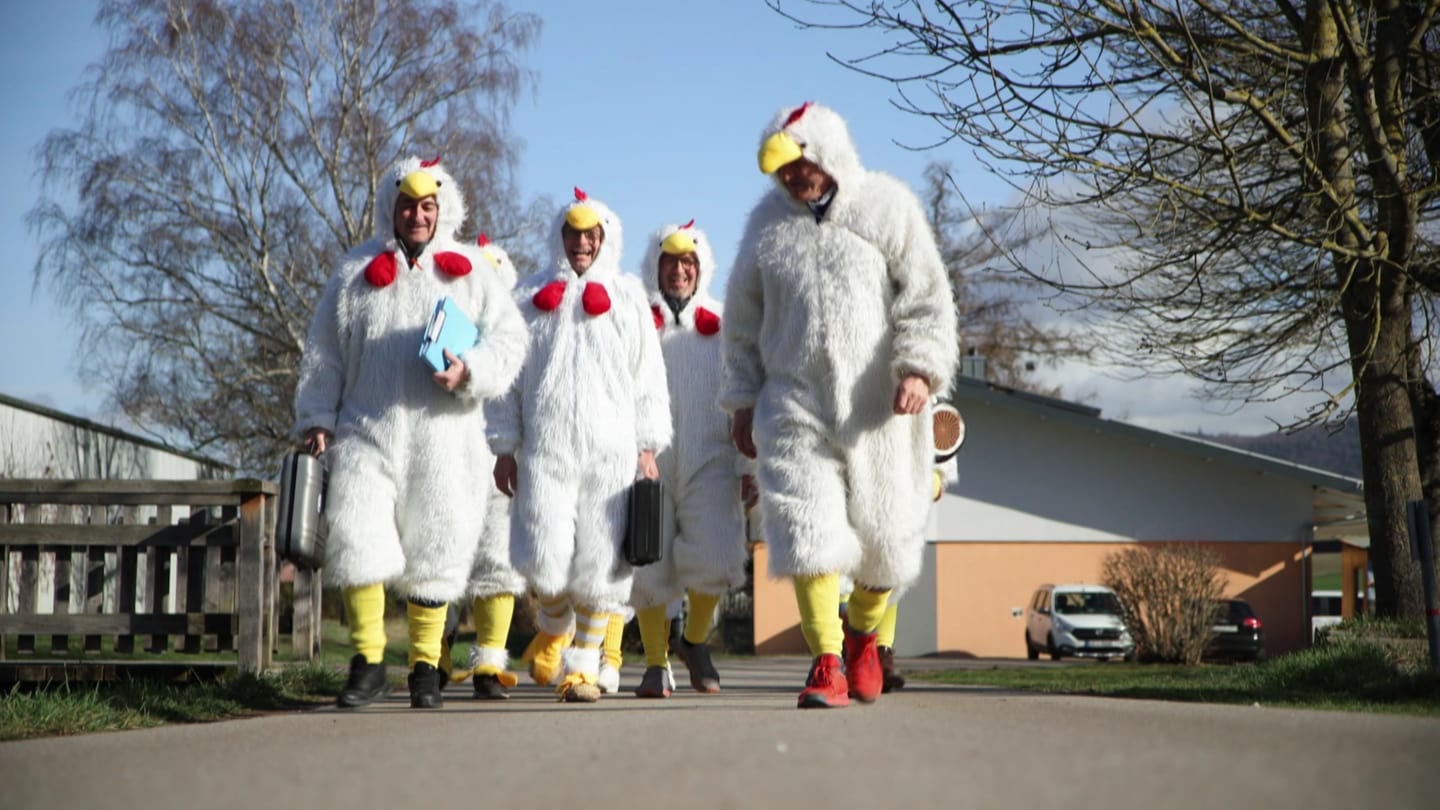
1237	633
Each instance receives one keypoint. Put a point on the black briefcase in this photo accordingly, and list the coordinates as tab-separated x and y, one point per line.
643	528
299	512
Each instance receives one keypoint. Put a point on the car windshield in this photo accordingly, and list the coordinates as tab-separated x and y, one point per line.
1072	602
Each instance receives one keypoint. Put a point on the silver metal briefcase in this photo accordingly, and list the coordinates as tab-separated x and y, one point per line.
300	520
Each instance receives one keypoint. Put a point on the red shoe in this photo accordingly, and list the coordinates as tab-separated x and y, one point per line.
862	666
825	688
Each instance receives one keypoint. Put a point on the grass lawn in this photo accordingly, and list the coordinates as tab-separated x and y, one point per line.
1350	674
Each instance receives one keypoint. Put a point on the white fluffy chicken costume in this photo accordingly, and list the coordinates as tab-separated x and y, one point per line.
408	458
589	400
830	306
704	548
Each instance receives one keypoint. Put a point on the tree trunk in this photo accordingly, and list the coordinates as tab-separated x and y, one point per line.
1375	307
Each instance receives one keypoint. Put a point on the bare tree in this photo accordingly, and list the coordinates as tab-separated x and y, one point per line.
228	155
999	307
1269	169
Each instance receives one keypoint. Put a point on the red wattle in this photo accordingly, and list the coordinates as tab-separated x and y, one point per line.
595	299
549	296
659	317
707	323
381	270
452	264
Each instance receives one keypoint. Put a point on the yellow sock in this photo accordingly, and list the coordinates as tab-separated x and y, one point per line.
654	634
702	616
427	627
885	633
819	601
866	609
614	634
365	610
492	619
590	626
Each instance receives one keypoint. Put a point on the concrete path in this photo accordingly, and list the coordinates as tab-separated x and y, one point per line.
748	747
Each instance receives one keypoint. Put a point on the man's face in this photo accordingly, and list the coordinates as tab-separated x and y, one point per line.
805	181
581	247
679	274
415	220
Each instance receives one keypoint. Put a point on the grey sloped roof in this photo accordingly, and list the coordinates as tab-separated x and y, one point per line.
86	424
1089	418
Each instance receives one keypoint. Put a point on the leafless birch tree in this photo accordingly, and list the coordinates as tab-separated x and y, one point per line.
228	154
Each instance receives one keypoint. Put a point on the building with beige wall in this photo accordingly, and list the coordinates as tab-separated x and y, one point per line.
1047	489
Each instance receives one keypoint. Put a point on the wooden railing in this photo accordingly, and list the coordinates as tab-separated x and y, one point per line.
93	566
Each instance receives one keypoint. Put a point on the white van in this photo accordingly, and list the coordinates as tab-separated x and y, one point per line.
1325	608
1081	621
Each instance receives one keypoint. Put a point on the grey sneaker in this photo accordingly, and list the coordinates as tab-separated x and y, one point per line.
703	676
657	682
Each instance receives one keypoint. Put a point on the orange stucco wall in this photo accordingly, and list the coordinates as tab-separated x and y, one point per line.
978	586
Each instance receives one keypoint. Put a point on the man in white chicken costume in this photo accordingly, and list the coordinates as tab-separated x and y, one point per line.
704	547
588	408
405	444
839	324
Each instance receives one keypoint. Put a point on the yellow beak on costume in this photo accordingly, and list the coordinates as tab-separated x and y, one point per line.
582	218
678	244
419	185
491	258
778	150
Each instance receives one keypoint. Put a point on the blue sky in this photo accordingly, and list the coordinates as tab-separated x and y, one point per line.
654	107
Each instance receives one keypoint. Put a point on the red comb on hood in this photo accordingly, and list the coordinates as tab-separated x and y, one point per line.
795	116
435	161
580	196
483	240
689	224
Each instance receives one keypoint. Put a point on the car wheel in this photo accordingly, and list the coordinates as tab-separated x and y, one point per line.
1051	648
1030	651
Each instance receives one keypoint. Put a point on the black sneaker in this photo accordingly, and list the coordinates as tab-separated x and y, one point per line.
893	679
703	676
366	684
425	687
489	687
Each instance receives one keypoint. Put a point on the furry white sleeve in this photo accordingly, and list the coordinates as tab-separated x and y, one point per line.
652	392
742	372
322	368
494	363
923	310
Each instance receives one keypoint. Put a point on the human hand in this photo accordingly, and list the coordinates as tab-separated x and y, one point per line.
507	475
454	375
648	467
749	491
741	424
318	440
911	395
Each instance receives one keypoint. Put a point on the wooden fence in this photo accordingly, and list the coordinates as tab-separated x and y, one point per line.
88	568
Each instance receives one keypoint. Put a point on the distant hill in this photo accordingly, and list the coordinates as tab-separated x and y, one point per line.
1313	447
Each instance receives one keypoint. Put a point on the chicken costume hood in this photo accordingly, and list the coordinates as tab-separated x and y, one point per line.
826	311
704	544
408	457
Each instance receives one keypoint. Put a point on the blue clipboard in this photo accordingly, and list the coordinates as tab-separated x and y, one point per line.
449	328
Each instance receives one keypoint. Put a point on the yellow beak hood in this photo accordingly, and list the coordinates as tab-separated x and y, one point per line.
777	150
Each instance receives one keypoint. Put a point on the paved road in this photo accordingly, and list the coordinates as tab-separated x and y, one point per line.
927	746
